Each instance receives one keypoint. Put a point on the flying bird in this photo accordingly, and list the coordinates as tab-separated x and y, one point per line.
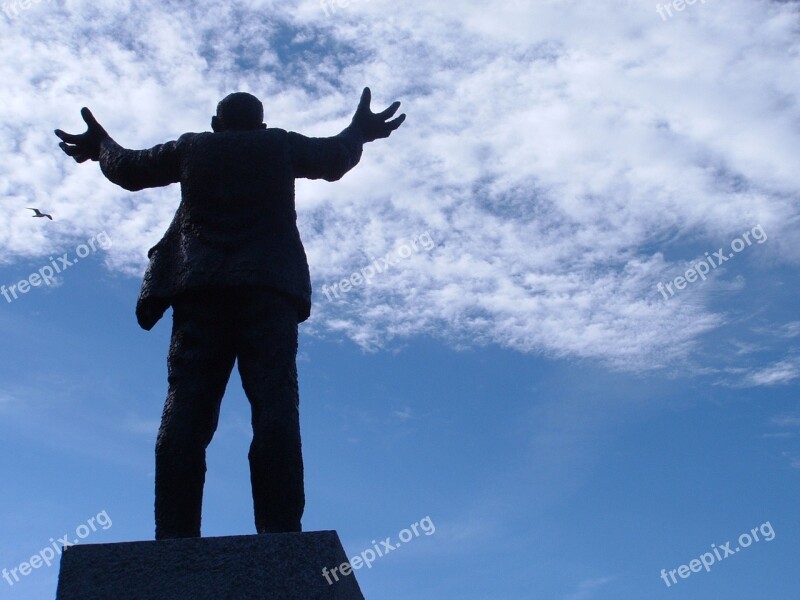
39	214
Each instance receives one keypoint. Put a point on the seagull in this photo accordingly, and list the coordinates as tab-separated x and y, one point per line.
39	214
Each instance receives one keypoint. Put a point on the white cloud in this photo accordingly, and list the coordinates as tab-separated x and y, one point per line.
779	373
786	421
564	160
790	330
586	589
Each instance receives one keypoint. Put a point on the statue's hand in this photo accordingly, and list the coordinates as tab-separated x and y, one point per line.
374	126
86	145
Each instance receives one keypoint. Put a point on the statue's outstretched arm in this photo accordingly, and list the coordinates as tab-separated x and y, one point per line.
372	126
131	169
85	146
330	158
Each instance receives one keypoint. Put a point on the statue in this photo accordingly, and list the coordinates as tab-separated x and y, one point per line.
233	268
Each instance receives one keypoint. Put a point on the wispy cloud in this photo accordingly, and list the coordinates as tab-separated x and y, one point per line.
779	373
7	402
586	590
786	421
564	160
790	330
404	414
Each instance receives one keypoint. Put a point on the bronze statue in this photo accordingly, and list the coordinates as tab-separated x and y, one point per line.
233	268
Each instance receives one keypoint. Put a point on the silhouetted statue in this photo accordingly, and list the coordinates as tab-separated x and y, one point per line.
234	270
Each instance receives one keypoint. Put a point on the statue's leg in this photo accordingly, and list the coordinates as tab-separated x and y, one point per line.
200	361
267	351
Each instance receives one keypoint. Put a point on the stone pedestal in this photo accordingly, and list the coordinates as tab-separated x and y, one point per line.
279	566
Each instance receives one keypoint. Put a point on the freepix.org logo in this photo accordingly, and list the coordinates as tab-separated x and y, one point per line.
13	9
48	555
719	553
711	261
370	555
47	274
365	275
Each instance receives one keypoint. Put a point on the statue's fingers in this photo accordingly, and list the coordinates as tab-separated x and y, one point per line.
387	128
366	99
68	149
394	124
67	137
74	151
389	112
89	118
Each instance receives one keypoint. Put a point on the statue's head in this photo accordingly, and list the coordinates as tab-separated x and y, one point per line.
239	111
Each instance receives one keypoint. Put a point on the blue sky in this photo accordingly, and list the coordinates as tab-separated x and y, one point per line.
570	430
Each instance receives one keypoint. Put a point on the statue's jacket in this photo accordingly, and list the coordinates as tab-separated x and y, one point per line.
236	223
